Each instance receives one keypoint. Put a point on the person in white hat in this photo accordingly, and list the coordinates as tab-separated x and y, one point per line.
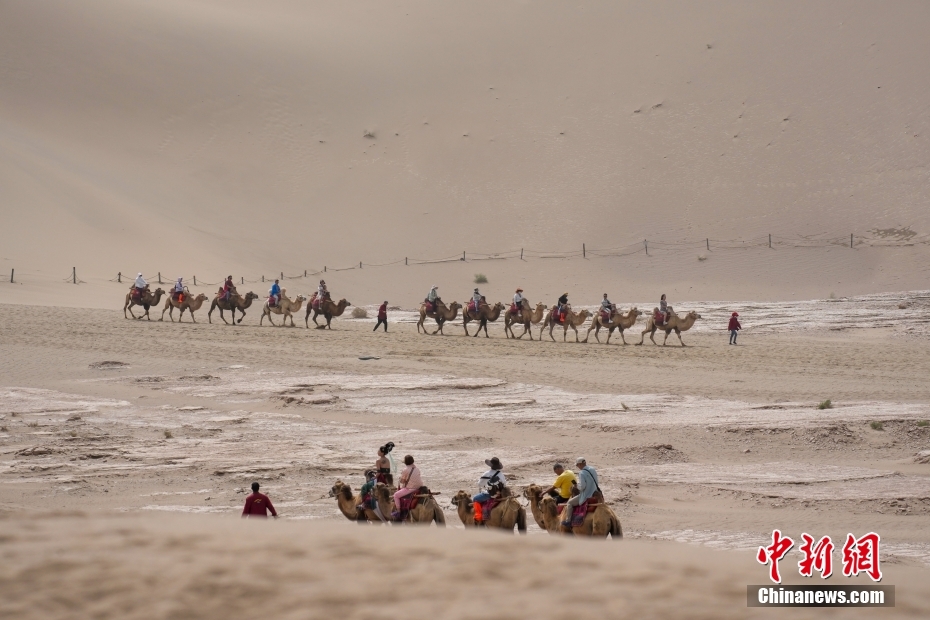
517	302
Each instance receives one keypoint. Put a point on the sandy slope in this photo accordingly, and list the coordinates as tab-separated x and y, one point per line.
214	137
710	445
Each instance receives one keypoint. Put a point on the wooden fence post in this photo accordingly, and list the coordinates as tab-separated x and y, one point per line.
584	251
850	240
74	274
405	261
708	244
359	264
12	271
770	241
119	277
241	279
521	253
646	245
159	277
305	273
282	275
195	280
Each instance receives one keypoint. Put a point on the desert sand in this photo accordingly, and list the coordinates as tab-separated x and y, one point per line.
768	158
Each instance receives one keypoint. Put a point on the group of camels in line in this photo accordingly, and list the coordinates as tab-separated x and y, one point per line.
507	515
236	302
548	317
527	316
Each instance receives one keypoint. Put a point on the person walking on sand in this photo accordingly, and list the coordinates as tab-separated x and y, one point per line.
258	505
734	327
382	317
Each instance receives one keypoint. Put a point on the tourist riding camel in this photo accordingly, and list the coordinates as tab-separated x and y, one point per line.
607	309
432	299
561	306
587	485
285	307
229	289
674	323
517	305
489	486
599	521
475	304
662	315
526	317
146	299
139	286
178	293
326	308
616	321
384	466
236	302
570	319
188	303
274	294
484	315
442	315
561	489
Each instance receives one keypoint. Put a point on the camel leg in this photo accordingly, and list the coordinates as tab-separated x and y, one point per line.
307	321
651	336
622	336
574	329
241	316
678	333
485	325
163	312
191	312
180	314
665	341
315	314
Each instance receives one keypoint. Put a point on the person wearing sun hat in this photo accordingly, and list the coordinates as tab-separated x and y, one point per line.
488	483
734	327
587	487
517	302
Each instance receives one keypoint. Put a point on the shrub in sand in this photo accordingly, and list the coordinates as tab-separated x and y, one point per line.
480	278
877	426
825	404
923	423
359	313
168	435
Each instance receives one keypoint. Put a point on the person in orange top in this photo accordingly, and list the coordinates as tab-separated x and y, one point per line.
258	505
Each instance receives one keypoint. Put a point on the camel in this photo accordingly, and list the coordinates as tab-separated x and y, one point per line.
674	323
599	524
236	302
617	321
571	320
425	512
328	309
285	307
442	315
526	317
504	516
148	300
189	304
485	313
348	504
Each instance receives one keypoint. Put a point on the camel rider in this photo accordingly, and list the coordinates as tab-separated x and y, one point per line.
488	485
368	500
178	292
321	291
663	310
384	466
563	301
476	300
517	302
561	489
410	481
228	288
587	487
139	286
607	308
275	293
433	299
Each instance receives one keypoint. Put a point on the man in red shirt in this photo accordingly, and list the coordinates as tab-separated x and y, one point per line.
734	327
382	317
257	505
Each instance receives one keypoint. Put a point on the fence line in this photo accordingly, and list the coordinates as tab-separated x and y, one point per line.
647	247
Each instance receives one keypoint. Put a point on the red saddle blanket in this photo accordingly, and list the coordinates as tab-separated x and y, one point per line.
658	318
514	309
409	503
271	301
136	294
605	317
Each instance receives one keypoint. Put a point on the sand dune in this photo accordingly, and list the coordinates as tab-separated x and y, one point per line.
216	137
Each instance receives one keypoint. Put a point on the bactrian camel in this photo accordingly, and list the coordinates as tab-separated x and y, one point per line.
426	511
348	504
147	300
328	309
505	516
617	321
190	304
285	307
601	523
235	302
674	323
526	317
484	314
571	320
442	315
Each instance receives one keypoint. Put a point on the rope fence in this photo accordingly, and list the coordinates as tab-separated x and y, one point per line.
905	238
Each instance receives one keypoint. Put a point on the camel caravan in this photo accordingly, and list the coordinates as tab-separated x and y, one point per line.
477	312
574	504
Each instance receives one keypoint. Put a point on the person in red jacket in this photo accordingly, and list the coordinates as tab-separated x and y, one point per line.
258	505
382	317
734	327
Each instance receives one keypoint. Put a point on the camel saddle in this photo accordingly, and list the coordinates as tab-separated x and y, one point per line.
272	302
136	294
659	317
605	316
